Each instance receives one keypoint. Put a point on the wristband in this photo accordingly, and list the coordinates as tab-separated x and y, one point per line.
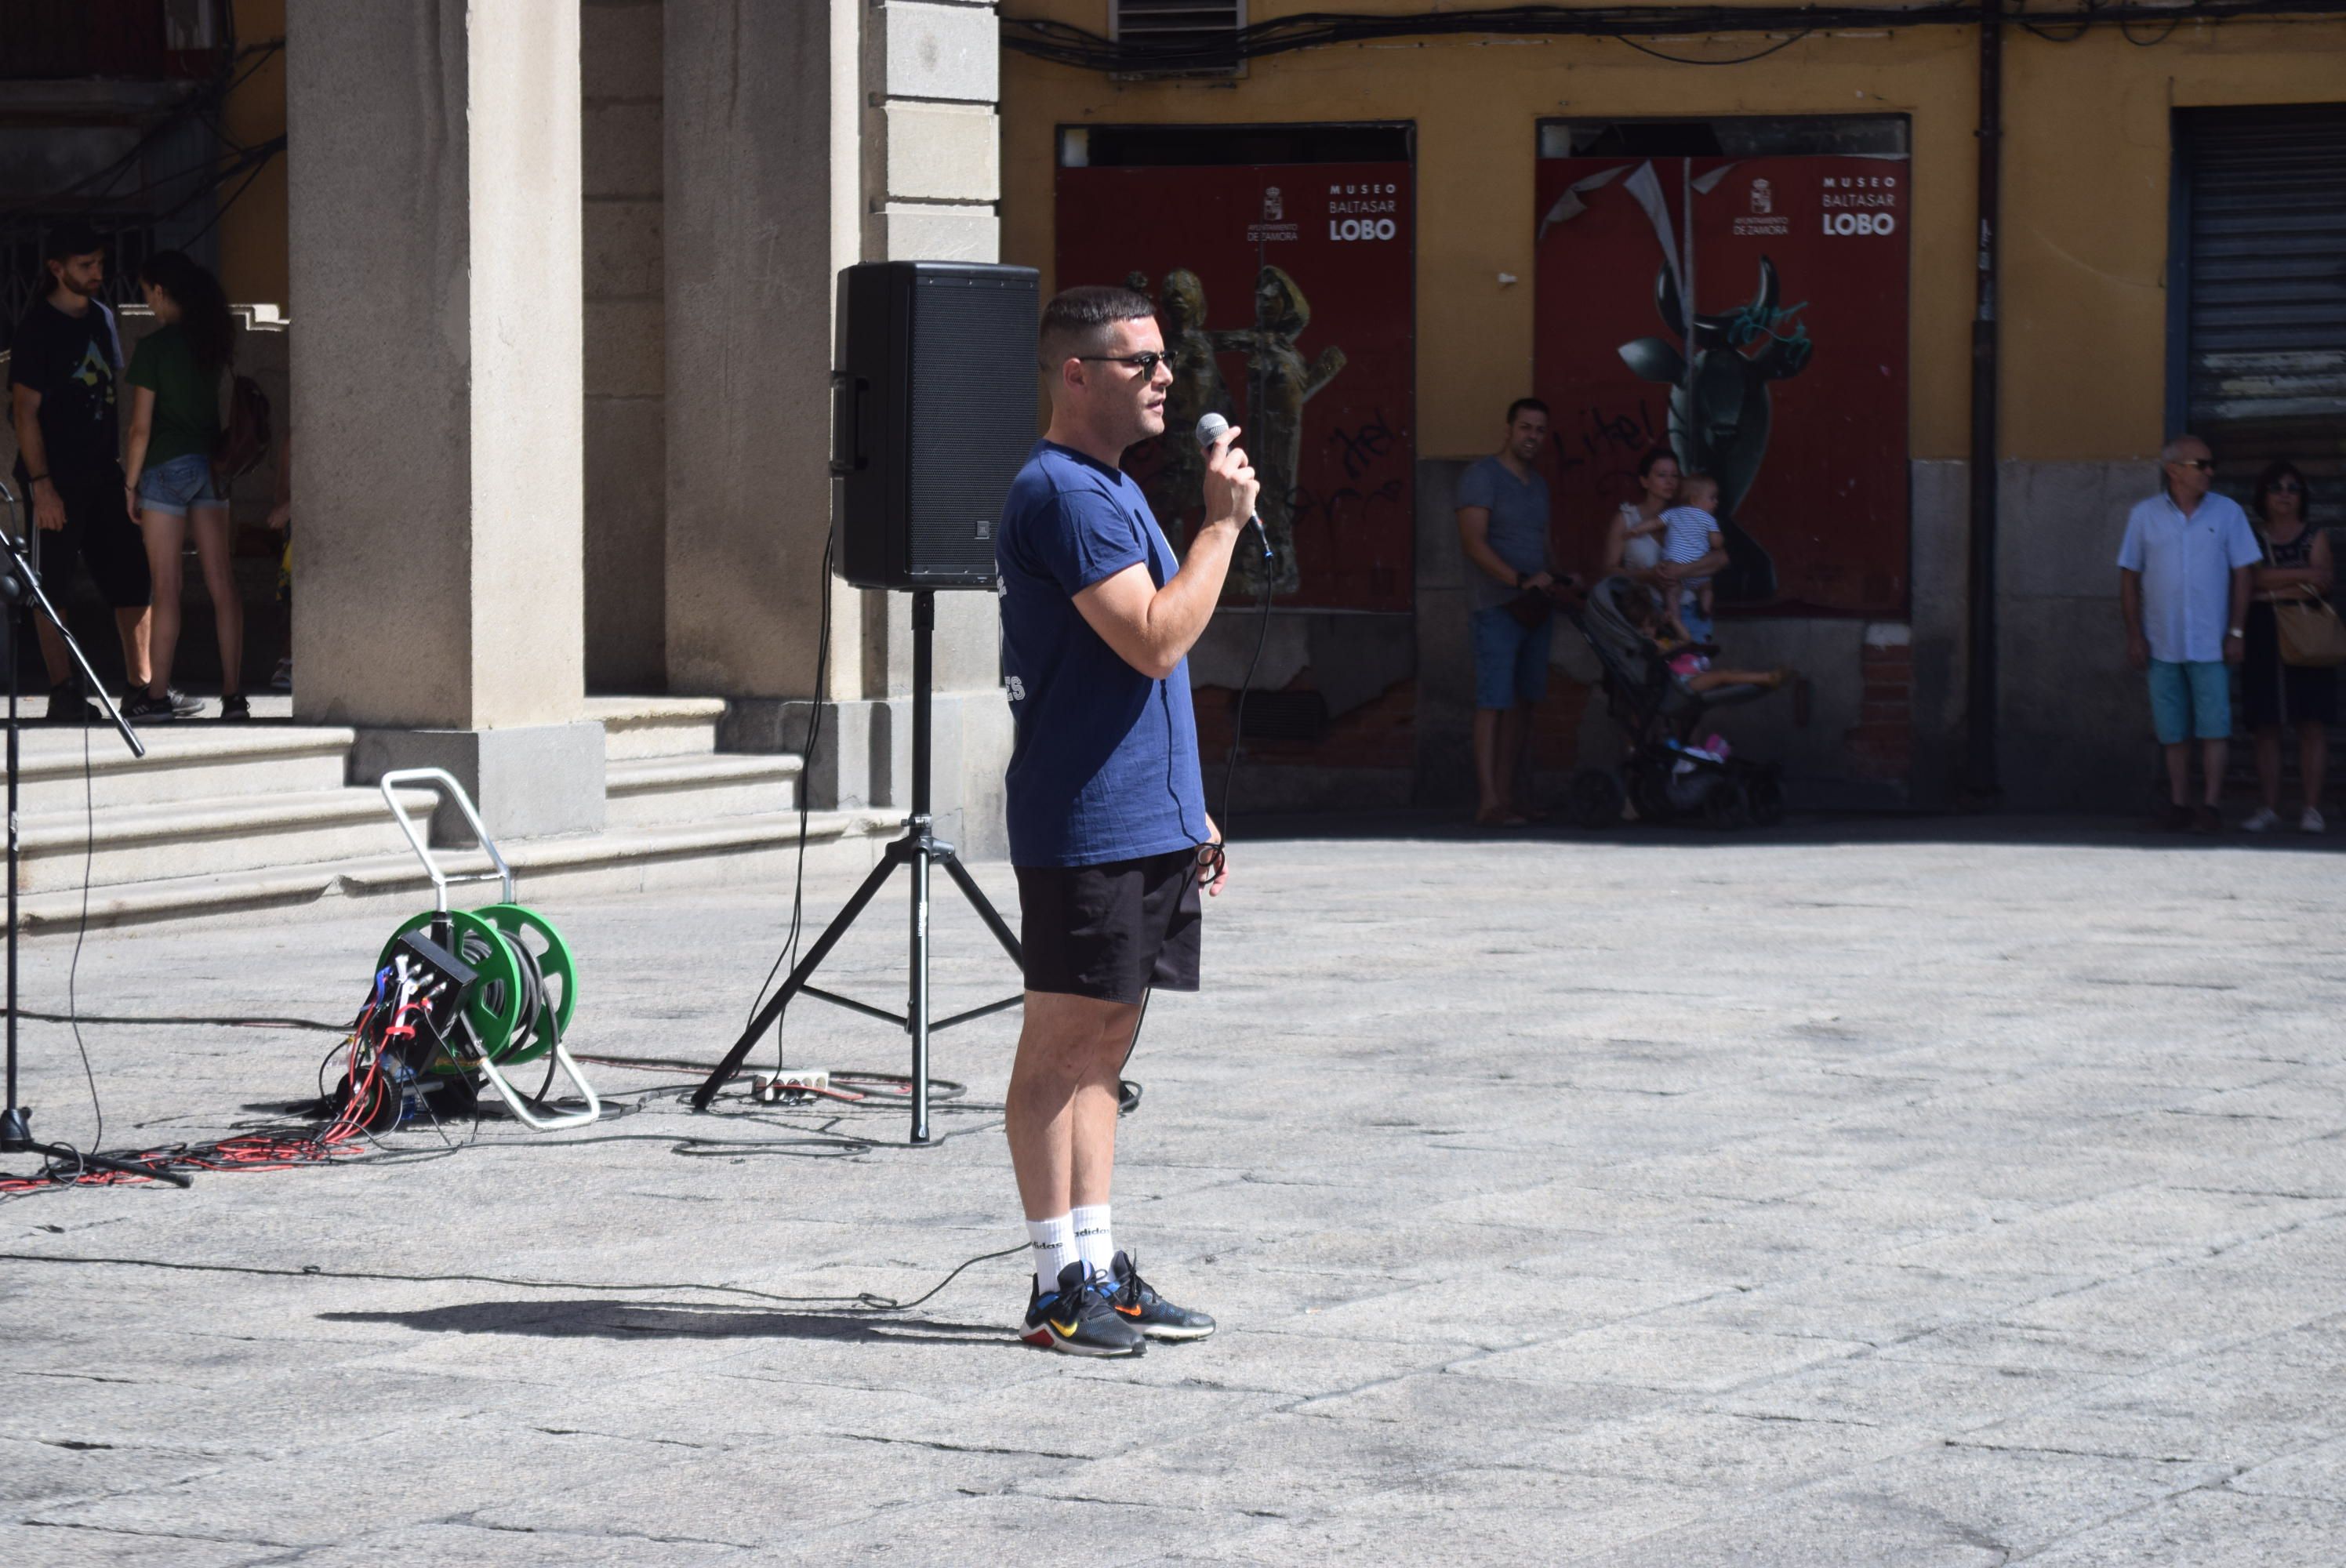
36	479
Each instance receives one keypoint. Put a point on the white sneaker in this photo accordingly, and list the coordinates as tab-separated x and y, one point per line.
2265	820
2311	822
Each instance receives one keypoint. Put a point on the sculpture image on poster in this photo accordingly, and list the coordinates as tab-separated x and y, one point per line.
1278	383
1178	486
1719	406
1284	293
1778	287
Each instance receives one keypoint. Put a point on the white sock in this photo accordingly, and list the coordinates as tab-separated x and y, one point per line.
1054	1243
1093	1240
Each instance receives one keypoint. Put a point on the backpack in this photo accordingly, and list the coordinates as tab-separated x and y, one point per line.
245	434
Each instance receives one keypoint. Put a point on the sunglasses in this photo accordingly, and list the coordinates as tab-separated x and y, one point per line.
1145	363
2285	487
2204	464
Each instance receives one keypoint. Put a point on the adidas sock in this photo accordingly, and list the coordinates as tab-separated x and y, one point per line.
1054	1243
1093	1240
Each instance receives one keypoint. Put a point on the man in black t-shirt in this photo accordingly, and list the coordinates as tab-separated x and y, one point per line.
64	365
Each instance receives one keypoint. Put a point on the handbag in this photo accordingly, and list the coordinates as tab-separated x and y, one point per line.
2311	635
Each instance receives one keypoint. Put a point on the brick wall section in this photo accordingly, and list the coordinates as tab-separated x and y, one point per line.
1882	744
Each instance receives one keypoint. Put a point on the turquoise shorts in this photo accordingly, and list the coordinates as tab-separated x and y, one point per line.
2191	700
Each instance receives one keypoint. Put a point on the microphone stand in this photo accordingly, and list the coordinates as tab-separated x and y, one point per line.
21	584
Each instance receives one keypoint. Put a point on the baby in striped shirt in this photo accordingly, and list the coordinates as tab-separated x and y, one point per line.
1687	529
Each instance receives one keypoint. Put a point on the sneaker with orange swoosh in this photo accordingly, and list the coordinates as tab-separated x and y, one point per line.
1076	1319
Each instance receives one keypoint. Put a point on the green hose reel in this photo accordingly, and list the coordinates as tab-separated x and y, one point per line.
528	986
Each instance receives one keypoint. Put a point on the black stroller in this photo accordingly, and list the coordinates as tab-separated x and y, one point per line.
1667	776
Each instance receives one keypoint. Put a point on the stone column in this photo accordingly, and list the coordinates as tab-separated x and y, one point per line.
802	139
435	239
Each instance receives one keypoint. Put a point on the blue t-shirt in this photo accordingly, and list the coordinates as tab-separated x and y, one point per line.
1518	529
1105	765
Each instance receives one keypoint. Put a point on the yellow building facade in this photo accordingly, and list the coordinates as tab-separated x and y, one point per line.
2089	154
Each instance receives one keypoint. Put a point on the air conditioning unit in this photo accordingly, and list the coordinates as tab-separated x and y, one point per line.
1191	38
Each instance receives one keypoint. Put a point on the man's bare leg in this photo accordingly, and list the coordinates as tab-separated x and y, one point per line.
2211	768
1490	783
133	625
2178	773
1060	1112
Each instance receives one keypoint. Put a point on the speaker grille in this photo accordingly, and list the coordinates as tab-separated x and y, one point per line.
972	417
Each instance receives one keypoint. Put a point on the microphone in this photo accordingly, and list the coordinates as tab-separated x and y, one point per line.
1211	428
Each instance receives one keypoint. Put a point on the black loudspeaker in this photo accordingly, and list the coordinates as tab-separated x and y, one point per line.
933	415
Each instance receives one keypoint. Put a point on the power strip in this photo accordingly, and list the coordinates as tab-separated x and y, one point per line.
790	1083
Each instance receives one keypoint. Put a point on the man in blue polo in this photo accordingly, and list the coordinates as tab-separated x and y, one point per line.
2185	570
1108	829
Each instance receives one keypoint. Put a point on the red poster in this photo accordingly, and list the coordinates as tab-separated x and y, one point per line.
1285	294
1793	392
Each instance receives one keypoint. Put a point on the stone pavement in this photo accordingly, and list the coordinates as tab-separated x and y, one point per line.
1875	1192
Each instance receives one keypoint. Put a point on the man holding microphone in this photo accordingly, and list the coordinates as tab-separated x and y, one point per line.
1108	829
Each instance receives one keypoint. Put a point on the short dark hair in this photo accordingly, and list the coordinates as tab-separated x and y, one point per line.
2279	469
74	237
1522	403
1660	453
1075	318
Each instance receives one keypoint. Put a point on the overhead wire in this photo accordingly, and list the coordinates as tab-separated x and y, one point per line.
1064	43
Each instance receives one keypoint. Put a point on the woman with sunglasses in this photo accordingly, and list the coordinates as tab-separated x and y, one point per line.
2272	693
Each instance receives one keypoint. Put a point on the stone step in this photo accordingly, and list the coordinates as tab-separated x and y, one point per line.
184	762
636	726
760	850
227	835
648	792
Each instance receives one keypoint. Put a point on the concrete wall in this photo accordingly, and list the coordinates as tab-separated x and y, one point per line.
620	86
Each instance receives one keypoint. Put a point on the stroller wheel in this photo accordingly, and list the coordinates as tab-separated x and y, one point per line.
1765	793
1730	806
1594	801
1650	789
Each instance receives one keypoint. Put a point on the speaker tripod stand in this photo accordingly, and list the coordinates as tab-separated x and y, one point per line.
21	585
916	851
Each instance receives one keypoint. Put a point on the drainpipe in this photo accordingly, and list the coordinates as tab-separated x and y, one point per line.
1980	783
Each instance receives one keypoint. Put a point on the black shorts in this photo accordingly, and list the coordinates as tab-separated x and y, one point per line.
1112	932
99	530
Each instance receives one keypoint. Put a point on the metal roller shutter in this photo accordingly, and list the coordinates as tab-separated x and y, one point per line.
2262	231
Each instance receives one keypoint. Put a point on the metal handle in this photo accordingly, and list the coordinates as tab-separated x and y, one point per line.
449	789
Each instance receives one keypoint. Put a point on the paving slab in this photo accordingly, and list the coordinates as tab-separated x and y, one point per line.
1872	1191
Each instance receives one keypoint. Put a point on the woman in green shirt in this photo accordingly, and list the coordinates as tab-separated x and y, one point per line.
175	424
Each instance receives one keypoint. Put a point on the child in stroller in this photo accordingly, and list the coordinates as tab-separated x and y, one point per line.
1661	689
1686	659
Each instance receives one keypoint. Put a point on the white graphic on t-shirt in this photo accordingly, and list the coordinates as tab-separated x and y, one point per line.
1017	690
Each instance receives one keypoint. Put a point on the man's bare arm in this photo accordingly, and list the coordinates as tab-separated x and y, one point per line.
1474	536
48	506
1152	629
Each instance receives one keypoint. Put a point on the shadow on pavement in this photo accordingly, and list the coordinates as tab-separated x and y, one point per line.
592	1320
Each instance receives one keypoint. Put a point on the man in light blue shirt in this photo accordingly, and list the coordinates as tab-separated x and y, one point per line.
2184	573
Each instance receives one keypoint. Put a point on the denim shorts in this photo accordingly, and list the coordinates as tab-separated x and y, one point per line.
172	488
1510	659
2189	700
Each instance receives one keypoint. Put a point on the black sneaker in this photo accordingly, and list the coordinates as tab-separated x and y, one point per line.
1077	1318
183	705
235	706
68	705
145	710
1137	1303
